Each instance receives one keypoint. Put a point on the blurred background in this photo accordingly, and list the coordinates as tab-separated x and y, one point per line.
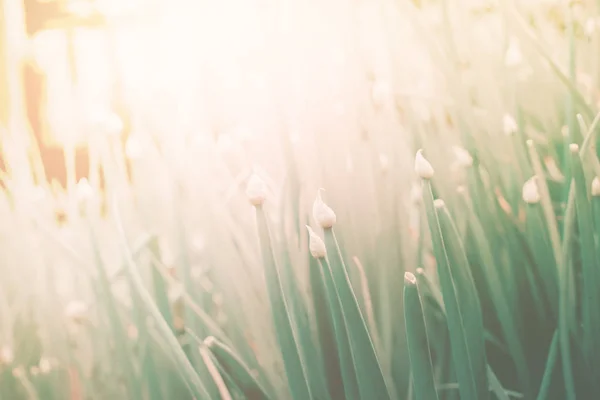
183	72
122	120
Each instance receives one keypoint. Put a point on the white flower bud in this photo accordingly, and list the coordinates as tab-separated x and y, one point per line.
422	167
381	93
322	213
531	194
349	163
45	365
84	191
416	194
590	27
574	148
384	163
210	341
107	122
256	190
76	311
439	203
513	56
6	355
133	147
463	157
596	187
409	278
132	332
509	124
316	244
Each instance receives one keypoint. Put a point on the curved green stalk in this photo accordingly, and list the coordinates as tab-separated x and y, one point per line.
230	363
214	372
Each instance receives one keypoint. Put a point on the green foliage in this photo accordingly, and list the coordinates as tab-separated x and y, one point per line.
503	238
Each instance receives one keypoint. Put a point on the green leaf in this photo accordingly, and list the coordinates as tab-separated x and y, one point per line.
466	336
418	344
370	379
286	337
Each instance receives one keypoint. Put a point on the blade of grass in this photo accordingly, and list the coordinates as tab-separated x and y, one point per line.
565	310
497	287
472	380
326	332
549	370
590	276
229	362
346	358
371	382
294	366
212	369
531	37
368	303
117	328
196	385
418	344
546	201
496	386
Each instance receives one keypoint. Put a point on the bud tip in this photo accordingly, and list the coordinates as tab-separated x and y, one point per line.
409	278
315	244
209	341
322	213
596	187
256	190
574	148
531	194
422	167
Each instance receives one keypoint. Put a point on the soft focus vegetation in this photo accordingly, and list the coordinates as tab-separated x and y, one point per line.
181	267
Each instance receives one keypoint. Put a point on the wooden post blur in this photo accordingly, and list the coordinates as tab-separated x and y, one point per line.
13	40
